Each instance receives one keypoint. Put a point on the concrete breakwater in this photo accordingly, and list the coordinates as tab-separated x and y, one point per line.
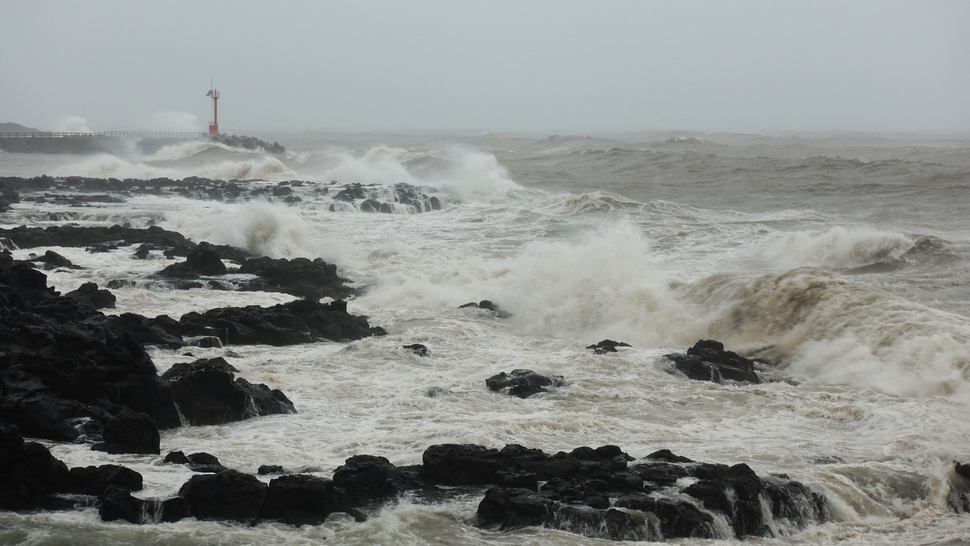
117	142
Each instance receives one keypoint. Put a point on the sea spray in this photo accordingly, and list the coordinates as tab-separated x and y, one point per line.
834	330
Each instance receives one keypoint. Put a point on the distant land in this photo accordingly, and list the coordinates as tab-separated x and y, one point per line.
9	127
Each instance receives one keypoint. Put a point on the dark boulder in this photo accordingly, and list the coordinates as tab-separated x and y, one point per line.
89	294
735	492
301	499
678	519
28	472
205	261
487	305
270	469
607	346
97	480
130	432
207	394
708	361
300	321
523	383
119	504
299	277
418	349
53	260
367	478
228	495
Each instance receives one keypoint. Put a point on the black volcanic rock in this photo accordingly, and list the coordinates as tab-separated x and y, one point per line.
417	349
367	478
130	432
119	504
28	472
300	321
228	495
607	346
89	294
97	480
207	394
63	361
301	499
523	383
299	277
708	361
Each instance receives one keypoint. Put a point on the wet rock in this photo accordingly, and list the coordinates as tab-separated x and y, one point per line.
53	260
299	277
290	323
524	383
65	361
119	504
795	503
28	472
678	519
708	361
418	349
207	394
367	478
666	455
302	499
607	346
228	495
97	480
735	492
130	432
89	294
487	306
270	469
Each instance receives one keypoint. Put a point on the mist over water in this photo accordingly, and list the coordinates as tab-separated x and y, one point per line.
841	260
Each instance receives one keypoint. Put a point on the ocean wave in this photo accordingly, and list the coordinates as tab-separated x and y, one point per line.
110	166
467	174
828	329
852	248
593	202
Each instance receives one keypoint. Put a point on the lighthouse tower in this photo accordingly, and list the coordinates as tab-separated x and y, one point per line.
214	124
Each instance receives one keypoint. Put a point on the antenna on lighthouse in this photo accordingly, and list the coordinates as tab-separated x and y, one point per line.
214	124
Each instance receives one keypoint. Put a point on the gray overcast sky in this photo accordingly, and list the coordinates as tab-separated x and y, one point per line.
535	66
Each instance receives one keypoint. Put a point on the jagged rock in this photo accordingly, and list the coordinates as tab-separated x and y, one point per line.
666	455
488	306
89	294
228	495
96	480
367	478
678	519
290	323
130	432
28	472
270	469
735	492
300	277
54	260
607	346
523	383
65	361
417	349
708	361
119	504
206	393
301	499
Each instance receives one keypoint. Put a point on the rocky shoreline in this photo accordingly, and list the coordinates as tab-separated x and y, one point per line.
71	373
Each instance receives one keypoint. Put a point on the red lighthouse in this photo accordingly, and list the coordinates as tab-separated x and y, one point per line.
214	124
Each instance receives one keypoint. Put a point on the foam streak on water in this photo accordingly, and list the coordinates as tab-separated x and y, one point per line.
791	249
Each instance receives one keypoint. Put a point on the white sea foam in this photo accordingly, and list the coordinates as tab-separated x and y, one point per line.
601	285
110	166
833	330
838	248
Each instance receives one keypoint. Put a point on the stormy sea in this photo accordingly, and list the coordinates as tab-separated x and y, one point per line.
830	272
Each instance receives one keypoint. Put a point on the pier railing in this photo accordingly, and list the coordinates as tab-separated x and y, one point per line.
154	134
